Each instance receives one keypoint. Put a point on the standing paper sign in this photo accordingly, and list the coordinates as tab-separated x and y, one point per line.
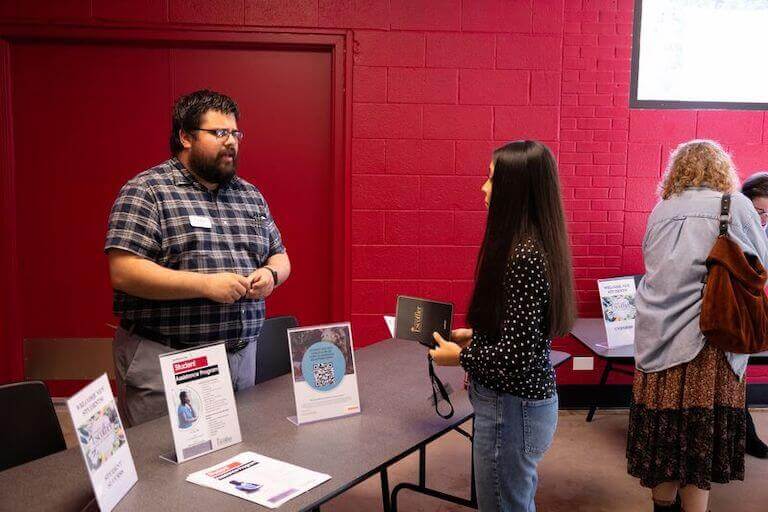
103	442
201	402
390	321
324	374
617	298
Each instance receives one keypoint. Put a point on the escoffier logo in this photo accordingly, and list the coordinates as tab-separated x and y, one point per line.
190	364
418	320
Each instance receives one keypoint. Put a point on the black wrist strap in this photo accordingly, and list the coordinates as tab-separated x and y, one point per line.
437	387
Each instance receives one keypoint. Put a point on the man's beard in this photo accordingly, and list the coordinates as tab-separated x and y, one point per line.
214	169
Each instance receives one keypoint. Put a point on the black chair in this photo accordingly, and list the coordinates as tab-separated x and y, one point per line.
29	429
273	357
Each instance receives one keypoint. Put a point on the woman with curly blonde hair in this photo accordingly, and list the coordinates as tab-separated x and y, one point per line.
687	423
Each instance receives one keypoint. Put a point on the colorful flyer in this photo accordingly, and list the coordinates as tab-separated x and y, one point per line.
617	298
103	442
258	479
324	374
201	402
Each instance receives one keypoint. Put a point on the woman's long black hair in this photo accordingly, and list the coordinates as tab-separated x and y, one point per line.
525	202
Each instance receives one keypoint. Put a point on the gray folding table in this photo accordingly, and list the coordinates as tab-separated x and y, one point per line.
591	333
397	419
556	358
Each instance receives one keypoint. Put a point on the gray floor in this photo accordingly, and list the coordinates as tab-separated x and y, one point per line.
585	471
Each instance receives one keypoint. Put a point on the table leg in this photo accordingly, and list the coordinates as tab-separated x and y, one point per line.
603	380
423	466
385	497
423	489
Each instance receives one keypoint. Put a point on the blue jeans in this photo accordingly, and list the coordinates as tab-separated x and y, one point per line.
511	436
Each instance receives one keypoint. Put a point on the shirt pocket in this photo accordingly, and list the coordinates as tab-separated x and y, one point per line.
189	247
539	424
258	233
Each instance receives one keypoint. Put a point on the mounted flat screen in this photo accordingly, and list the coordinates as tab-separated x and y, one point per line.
700	54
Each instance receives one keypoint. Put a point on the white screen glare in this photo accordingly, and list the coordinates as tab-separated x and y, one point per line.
703	51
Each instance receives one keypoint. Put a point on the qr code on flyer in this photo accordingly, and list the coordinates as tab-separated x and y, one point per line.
324	375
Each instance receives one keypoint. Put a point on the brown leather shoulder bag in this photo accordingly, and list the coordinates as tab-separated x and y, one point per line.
734	311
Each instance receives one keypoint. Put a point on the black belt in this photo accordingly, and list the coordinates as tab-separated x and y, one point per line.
134	328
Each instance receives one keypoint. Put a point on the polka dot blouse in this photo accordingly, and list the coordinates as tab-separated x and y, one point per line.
517	362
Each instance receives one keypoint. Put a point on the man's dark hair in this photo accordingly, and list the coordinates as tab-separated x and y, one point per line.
756	185
189	108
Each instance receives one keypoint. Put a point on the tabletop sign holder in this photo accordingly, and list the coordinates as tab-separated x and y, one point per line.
617	300
324	372
103	443
200	400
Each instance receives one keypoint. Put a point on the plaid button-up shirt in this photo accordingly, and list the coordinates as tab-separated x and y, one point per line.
165	215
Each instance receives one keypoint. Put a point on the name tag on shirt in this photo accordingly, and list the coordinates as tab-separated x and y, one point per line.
200	222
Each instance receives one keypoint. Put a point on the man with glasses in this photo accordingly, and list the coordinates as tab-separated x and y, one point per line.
193	252
756	189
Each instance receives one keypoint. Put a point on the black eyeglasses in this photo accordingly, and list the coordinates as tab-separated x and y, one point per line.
221	133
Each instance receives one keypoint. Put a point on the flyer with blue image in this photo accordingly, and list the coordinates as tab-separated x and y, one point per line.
324	375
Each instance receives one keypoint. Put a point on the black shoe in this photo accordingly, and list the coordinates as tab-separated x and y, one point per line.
755	447
675	507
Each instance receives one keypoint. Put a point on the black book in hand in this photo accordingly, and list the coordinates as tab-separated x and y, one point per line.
416	320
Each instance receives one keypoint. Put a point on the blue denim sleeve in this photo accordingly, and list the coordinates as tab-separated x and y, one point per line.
746	230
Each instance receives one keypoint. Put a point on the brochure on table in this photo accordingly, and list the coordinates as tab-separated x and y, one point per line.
103	442
253	477
617	298
324	373
201	402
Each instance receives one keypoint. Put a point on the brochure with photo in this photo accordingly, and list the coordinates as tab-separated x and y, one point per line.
617	299
201	402
103	442
324	373
253	477
416	319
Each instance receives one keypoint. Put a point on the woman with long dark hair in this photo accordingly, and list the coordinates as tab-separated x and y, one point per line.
523	297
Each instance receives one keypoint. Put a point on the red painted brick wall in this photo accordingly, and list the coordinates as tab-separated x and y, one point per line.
437	84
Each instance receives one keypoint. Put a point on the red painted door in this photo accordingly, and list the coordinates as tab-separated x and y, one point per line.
284	99
87	117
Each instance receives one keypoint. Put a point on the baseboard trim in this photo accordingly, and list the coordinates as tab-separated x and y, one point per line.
582	396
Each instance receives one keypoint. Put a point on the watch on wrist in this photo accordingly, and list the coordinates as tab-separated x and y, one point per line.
274	273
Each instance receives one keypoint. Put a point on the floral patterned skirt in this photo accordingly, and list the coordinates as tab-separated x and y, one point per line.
687	423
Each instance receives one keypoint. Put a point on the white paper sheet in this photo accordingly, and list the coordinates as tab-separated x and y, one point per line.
259	479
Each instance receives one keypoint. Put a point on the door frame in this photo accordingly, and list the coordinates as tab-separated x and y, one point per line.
337	43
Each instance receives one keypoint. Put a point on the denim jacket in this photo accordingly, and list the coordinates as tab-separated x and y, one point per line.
680	233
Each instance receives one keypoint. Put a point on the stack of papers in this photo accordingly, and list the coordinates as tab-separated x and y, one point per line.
259	479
